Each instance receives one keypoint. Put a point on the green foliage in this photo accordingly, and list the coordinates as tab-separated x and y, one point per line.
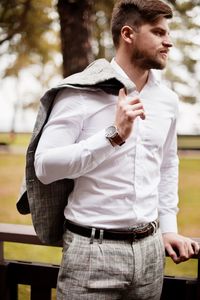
28	33
183	69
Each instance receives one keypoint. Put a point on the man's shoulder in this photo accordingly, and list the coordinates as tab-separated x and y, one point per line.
168	91
163	85
170	98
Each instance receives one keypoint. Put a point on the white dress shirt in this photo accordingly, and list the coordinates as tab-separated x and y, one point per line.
115	187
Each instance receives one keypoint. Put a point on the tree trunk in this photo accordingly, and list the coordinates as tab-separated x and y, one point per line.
75	22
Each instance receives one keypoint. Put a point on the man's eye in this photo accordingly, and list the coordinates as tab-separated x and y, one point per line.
158	33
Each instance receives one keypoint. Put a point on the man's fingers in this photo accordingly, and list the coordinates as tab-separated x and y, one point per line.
181	252
178	252
180	248
133	100
190	250
136	110
133	114
129	100
127	110
135	106
171	253
195	247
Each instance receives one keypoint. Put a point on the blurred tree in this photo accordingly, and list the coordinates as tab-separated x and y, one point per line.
27	33
102	40
75	21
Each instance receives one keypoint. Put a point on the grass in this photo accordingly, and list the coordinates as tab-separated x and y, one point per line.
11	175
189	194
15	139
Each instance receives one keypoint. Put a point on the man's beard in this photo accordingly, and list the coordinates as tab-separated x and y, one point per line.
146	61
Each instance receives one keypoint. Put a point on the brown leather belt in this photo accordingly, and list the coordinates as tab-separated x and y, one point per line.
135	233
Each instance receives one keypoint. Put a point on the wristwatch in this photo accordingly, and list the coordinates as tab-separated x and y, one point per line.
113	136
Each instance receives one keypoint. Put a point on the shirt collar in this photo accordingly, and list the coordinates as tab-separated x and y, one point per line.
118	69
154	75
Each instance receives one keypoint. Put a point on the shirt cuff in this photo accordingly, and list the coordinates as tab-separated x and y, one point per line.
100	146
168	223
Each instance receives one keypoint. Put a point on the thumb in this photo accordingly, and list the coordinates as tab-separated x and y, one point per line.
122	94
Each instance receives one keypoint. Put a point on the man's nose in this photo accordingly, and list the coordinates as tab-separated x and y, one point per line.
167	42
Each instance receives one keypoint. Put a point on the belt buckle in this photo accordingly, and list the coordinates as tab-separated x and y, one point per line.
140	230
134	231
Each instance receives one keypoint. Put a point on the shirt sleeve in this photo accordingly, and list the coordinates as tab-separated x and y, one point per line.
58	154
168	187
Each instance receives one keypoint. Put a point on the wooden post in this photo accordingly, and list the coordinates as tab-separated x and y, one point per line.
1	252
198	278
8	290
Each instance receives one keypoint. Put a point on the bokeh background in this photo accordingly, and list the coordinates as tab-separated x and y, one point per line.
43	41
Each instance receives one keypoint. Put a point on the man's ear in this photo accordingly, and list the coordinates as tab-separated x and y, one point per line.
127	34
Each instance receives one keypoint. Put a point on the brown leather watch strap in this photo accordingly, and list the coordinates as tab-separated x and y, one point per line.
117	140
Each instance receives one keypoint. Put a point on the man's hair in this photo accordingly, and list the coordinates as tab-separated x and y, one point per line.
136	13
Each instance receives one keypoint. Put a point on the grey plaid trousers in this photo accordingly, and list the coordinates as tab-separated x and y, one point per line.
110	270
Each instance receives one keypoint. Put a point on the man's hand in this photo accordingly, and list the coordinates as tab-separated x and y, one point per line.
179	248
126	112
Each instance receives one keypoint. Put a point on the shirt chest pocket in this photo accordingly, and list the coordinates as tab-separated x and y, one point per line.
154	130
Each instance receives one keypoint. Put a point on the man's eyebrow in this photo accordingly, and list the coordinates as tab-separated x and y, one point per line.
161	29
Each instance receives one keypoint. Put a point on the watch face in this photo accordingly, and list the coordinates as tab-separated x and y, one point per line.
111	131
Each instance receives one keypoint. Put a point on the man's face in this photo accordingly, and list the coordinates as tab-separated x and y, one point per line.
151	45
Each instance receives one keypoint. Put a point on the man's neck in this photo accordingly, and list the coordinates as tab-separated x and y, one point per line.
137	75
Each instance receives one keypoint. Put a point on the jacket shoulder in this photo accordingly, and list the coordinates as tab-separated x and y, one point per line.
98	71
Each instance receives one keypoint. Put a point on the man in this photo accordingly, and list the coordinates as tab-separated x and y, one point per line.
121	152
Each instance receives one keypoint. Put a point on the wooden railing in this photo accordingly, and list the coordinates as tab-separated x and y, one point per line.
42	277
